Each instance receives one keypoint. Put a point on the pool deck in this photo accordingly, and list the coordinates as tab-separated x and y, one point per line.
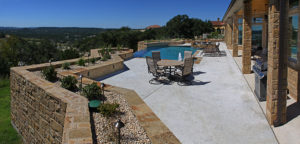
219	108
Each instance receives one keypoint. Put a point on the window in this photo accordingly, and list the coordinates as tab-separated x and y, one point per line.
240	41
240	27
293	3
240	21
293	37
257	35
257	20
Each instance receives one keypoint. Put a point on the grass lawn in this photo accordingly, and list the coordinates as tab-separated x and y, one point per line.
8	134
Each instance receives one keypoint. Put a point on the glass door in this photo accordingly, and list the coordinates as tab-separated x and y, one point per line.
257	36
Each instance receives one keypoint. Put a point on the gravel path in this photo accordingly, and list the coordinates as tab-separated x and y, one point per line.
132	133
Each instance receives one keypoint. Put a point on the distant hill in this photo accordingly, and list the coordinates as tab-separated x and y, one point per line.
59	34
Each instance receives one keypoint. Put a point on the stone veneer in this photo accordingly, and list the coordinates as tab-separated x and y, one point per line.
293	83
277	74
44	113
235	48
247	38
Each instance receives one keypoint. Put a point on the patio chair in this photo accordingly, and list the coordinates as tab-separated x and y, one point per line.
185	71
156	57
153	69
187	54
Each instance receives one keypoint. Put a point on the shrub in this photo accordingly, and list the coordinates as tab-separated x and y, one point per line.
104	52
92	91
49	73
66	65
81	62
108	110
93	60
119	47
69	83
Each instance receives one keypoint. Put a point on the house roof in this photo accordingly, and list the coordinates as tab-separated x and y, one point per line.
217	23
153	27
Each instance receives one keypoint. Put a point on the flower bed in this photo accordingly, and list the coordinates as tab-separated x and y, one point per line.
132	132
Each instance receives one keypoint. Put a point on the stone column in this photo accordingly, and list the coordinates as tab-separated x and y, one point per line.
235	40
277	64
229	37
247	38
294	83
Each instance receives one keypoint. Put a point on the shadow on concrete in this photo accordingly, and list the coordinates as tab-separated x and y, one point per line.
292	111
190	81
220	54
113	74
198	73
93	128
196	83
161	82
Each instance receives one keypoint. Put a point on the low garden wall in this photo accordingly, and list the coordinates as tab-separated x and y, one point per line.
108	67
144	44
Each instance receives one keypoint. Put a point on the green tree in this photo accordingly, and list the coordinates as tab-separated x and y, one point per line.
2	35
68	54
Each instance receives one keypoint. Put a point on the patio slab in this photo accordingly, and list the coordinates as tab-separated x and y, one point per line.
289	132
218	108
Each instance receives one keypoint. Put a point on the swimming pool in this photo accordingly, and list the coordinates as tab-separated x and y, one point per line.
166	52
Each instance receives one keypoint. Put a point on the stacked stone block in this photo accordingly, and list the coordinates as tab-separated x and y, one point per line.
229	37
277	80
293	83
235	49
247	38
39	116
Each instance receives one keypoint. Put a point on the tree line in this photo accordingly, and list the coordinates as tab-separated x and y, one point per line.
181	26
16	51
30	47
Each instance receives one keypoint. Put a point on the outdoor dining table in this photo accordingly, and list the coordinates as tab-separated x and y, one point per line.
170	64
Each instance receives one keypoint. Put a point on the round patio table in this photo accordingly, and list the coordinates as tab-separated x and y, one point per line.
170	64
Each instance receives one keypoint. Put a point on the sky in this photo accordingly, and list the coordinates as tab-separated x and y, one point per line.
105	13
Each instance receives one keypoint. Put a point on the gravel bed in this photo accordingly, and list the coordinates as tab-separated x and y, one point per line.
131	133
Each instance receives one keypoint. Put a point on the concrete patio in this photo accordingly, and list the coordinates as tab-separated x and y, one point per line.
218	108
289	132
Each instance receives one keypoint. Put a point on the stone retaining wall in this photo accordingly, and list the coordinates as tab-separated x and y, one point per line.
108	67
44	113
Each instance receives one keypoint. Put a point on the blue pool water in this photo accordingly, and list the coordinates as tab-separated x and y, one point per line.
167	52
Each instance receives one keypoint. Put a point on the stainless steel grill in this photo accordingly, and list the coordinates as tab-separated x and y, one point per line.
260	70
